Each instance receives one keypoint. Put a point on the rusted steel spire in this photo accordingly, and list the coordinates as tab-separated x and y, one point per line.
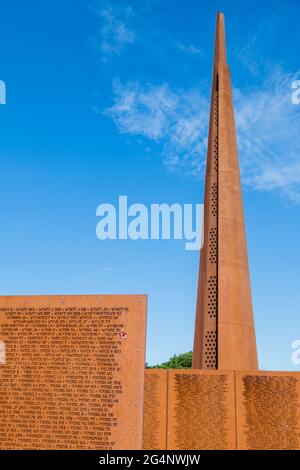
224	328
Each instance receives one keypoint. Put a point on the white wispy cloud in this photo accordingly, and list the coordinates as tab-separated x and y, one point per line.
267	127
177	120
251	50
115	29
268	136
188	48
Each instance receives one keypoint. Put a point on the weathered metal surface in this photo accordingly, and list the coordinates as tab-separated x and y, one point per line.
224	328
72	372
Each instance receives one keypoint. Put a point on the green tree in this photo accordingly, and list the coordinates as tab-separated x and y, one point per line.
182	361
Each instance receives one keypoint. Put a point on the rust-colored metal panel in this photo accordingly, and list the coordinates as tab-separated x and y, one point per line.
155	410
201	410
72	372
224	328
268	410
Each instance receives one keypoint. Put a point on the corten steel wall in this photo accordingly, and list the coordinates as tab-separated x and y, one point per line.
224	327
72	372
221	410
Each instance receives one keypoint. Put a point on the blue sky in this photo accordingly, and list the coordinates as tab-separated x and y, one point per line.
109	98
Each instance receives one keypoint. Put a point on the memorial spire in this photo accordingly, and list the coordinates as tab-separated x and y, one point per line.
224	327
